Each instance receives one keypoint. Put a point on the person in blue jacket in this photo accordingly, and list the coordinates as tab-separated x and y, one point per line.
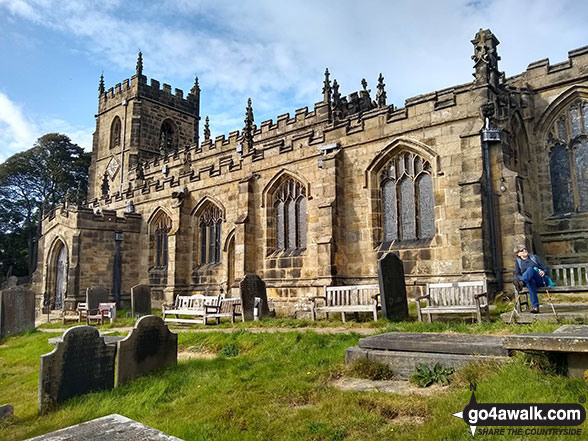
530	271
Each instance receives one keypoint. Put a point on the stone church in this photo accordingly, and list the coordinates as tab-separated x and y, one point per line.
450	183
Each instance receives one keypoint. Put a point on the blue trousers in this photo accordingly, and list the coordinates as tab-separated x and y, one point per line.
532	279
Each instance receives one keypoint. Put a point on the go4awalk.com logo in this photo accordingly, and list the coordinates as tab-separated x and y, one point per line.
490	418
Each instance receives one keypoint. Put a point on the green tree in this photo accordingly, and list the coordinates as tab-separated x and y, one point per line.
40	177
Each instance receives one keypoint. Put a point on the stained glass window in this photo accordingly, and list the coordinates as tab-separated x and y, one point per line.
568	160
290	215
407	198
210	234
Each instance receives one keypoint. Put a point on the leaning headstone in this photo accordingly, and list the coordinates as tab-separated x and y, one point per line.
17	310
96	295
6	411
141	300
79	364
392	288
251	287
149	346
112	427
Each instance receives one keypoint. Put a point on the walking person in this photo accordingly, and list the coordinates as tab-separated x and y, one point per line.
530	271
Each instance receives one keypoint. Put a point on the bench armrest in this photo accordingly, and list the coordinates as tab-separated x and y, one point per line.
315	298
377	297
482	294
212	308
423	297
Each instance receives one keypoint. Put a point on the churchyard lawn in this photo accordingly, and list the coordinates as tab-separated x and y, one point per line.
278	386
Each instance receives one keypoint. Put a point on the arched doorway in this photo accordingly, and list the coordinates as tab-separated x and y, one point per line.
60	277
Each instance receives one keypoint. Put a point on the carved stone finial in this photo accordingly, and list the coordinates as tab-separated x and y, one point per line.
327	94
78	195
206	129
140	64
195	90
364	84
381	94
337	102
101	84
248	129
105	185
486	58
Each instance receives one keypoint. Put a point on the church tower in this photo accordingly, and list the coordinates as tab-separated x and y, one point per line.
136	122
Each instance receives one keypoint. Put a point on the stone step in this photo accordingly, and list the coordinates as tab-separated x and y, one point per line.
438	343
403	364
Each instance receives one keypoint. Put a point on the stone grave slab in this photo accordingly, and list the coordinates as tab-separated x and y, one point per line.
571	340
149	346
17	310
79	364
96	295
6	411
404	351
112	427
468	344
392	288
141	300
252	286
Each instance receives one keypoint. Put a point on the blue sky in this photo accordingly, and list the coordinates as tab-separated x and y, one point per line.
53	52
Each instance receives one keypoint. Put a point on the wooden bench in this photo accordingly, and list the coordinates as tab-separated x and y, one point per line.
104	311
567	278
344	299
192	306
228	308
75	315
455	298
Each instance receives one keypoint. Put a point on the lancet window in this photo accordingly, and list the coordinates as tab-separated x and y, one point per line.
407	198
161	227
290	215
210	224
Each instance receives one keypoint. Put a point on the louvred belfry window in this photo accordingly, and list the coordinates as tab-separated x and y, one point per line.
407	198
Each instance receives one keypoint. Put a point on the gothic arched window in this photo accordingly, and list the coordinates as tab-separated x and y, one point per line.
290	215
408	209
160	228
210	224
167	137
567	143
115	130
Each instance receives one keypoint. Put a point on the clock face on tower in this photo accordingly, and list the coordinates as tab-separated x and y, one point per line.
112	167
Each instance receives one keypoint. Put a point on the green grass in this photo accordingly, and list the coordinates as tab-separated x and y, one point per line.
271	386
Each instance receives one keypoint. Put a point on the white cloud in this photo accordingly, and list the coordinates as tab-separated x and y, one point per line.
19	131
16	131
276	52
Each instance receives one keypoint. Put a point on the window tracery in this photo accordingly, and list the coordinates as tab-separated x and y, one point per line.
567	143
407	198
290	215
210	224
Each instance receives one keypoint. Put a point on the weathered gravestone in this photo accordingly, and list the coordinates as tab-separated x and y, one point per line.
96	295
112	427
6	411
392	288
252	286
141	300
17	310
149	346
79	364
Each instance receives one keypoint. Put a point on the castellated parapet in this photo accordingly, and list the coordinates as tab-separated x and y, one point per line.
137	87
353	177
